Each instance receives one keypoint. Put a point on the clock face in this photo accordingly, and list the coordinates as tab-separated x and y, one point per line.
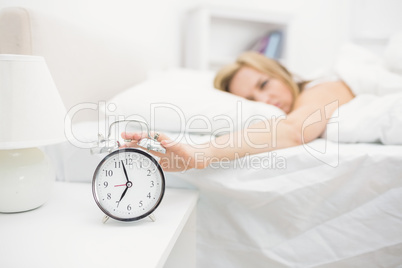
128	184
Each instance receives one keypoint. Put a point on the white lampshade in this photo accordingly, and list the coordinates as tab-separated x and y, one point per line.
31	110
31	115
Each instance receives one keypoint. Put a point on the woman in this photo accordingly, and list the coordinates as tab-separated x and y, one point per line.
255	77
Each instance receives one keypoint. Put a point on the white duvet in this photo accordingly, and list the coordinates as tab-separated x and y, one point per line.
370	118
308	214
375	114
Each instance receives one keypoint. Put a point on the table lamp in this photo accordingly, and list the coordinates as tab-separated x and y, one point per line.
31	115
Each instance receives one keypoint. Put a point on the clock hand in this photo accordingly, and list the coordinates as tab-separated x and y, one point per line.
124	193
128	184
125	171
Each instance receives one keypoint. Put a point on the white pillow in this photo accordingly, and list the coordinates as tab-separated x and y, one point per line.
185	101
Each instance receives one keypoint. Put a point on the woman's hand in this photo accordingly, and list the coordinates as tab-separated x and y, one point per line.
178	156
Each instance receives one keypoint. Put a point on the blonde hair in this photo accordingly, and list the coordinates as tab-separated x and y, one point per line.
262	64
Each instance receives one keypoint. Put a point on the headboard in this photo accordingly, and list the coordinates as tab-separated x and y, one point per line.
86	66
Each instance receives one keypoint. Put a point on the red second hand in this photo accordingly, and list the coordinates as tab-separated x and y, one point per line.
120	185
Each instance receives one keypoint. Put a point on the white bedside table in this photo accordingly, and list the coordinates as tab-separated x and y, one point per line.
71	234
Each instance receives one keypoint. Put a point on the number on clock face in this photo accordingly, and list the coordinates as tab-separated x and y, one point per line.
128	184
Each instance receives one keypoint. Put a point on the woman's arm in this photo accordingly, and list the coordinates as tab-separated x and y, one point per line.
305	123
317	105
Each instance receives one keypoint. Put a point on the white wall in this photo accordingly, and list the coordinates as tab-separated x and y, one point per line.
317	30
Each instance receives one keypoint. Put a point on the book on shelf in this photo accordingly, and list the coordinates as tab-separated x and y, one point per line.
261	44
270	45
273	47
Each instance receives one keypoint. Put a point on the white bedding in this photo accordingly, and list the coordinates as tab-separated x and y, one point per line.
369	118
341	207
323	204
309	214
375	114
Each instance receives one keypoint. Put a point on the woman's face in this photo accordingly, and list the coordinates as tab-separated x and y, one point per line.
254	85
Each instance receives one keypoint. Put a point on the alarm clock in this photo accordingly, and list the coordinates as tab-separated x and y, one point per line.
128	183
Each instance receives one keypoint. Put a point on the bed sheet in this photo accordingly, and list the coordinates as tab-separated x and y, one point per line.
310	214
317	205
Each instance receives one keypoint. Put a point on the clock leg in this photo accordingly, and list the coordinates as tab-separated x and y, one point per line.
105	218
152	217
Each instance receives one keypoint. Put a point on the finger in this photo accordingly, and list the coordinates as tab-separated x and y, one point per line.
140	135
129	136
132	140
134	136
159	136
168	143
159	154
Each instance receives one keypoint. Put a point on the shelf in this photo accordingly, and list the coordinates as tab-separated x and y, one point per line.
216	36
249	15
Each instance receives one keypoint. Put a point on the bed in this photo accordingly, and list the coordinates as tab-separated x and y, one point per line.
305	213
334	202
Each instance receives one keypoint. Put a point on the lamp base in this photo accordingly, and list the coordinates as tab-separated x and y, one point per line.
26	179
